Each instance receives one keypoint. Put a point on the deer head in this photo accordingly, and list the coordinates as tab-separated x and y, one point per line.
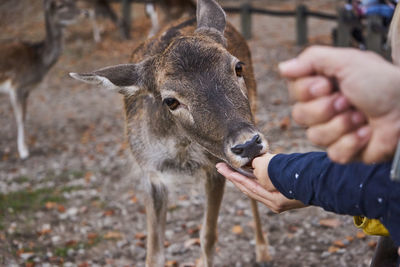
200	87
61	12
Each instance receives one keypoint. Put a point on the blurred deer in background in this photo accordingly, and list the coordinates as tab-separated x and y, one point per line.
23	65
170	9
189	99
99	8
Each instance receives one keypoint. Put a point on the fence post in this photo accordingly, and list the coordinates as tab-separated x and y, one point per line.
301	25
343	34
374	38
126	18
245	15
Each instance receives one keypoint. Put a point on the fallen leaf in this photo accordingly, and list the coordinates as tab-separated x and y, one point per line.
350	238
166	244
44	232
172	263
133	199
333	223
339	244
237	229
293	228
140	236
140	244
193	230
239	212
29	264
84	264
92	235
360	235
333	249
50	205
71	243
192	242
277	101
88	177
61	208
108	213
113	235
183	197
372	244
284	124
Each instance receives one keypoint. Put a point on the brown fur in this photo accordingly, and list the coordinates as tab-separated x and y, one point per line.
23	65
193	64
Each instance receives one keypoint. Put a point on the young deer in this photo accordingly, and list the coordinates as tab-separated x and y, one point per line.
189	98
23	65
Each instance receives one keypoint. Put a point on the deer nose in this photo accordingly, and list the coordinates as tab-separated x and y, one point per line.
250	149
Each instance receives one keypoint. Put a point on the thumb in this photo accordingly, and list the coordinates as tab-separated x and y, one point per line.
321	60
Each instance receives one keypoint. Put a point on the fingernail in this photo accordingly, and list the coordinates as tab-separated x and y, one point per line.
318	89
340	104
357	118
364	132
287	66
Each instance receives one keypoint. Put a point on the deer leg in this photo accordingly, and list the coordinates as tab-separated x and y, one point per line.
19	106
214	188
262	253
156	211
96	30
151	12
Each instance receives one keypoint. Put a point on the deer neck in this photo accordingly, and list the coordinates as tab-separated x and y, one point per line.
53	43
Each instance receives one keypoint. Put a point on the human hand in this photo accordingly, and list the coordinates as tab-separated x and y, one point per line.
273	199
366	81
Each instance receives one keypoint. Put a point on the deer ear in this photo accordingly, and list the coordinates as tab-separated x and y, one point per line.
210	16
125	79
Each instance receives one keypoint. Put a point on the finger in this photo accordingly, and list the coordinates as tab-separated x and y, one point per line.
307	88
316	59
319	110
327	133
382	145
229	173
268	199
260	165
347	147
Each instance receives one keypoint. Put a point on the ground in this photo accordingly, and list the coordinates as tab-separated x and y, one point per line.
75	202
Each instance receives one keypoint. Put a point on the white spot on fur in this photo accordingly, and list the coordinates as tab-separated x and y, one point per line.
6	87
18	112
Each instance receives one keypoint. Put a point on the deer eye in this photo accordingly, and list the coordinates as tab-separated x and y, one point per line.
172	103
239	69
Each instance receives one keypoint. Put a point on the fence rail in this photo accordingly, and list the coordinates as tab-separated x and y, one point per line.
342	33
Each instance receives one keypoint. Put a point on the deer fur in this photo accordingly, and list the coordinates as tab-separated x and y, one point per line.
188	104
23	65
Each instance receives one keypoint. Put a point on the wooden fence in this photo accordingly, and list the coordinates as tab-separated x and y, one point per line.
342	34
345	23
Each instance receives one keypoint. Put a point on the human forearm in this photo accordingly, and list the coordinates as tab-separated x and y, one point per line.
315	180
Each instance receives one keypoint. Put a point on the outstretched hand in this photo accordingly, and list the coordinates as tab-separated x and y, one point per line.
266	194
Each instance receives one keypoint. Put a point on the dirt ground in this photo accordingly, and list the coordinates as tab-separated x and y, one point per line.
74	202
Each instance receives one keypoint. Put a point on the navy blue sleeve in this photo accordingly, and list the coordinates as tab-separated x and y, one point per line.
352	189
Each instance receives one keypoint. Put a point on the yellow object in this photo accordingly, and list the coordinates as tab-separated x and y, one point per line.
370	226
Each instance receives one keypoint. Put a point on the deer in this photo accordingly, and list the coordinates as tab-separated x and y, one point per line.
99	8
189	95
171	10
23	65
